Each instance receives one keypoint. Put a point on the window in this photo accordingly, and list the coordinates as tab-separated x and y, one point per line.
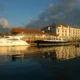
6	37
13	39
58	30
49	28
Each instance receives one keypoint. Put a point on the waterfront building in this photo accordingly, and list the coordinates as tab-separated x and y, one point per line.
68	32
64	31
51	32
50	29
29	35
54	31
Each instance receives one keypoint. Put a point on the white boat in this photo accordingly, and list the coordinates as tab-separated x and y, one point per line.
56	40
12	41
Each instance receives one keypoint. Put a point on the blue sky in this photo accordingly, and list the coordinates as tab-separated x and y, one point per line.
18	11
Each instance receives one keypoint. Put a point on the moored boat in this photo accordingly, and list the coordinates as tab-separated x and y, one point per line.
51	42
12	41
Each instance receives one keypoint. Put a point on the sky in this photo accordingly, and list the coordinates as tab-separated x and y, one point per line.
20	12
36	14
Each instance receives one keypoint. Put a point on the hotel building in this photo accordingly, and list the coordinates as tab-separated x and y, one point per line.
64	31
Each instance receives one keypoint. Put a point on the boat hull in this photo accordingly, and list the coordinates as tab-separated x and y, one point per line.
50	43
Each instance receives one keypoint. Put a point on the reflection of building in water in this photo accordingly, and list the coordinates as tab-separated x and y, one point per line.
78	51
62	52
67	52
24	52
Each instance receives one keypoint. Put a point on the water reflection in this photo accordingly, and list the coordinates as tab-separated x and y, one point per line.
50	55
67	52
26	52
61	52
12	50
7	52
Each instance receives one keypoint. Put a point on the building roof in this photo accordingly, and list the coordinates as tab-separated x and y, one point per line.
27	31
65	25
52	25
76	27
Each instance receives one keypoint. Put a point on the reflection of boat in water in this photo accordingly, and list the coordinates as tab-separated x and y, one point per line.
12	41
7	52
52	53
12	50
49	55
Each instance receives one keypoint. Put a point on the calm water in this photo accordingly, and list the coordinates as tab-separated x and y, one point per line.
46	63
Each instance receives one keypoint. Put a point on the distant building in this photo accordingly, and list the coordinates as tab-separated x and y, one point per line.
29	34
68	32
50	32
64	31
50	28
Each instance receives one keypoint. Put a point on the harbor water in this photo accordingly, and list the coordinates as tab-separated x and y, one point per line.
44	63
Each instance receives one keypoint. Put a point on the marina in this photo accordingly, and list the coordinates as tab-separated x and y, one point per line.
38	56
39	40
46	62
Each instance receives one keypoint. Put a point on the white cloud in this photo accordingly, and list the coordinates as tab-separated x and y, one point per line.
4	23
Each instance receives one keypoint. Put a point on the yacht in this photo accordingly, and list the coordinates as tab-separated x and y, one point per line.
51	42
12	41
56	40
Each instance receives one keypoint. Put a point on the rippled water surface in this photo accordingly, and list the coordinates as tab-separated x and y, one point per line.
45	63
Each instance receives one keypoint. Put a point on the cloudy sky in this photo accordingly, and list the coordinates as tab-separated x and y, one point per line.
36	14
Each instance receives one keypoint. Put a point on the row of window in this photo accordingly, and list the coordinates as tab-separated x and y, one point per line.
7	42
74	31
